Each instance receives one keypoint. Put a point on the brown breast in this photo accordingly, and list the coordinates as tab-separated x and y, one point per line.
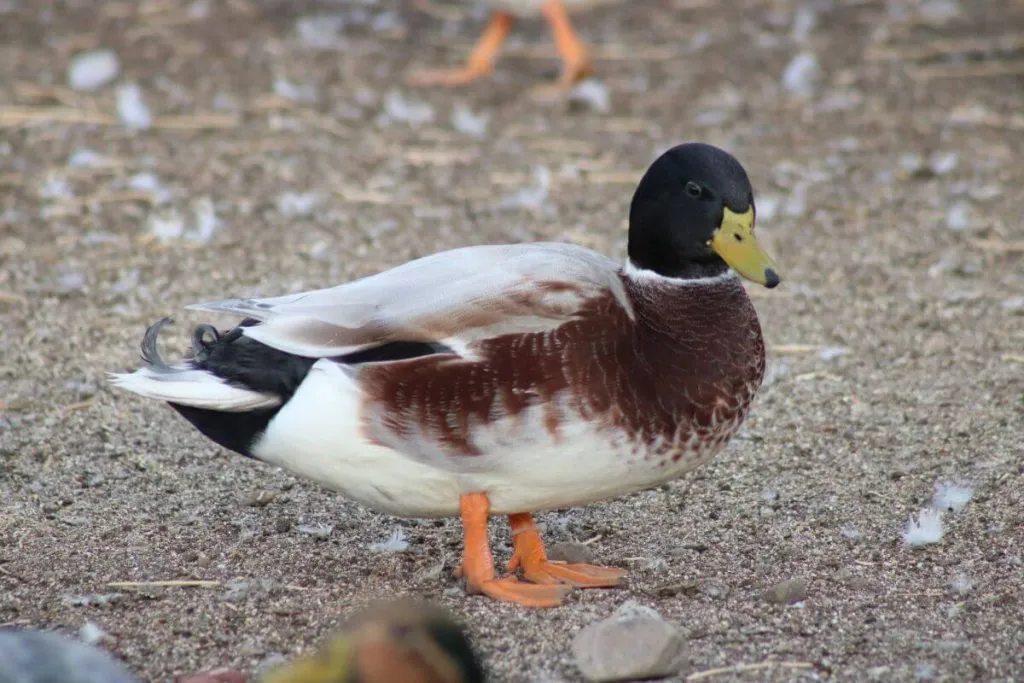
686	368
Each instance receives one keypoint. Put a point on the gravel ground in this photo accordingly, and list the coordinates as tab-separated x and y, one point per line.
282	153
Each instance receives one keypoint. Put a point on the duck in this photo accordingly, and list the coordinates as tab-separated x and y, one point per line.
405	640
501	379
574	53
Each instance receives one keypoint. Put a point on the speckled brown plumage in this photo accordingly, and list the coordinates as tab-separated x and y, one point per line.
678	378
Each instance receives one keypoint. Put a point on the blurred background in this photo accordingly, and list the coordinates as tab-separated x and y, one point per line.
155	153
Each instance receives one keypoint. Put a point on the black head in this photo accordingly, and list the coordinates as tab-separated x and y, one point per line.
693	216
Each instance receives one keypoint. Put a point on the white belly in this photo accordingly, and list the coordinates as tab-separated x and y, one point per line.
533	7
319	434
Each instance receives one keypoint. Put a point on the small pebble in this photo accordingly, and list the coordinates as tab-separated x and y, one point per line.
397	107
319	531
1015	304
787	592
92	70
321	31
567	551
961	584
634	643
260	499
958	218
831	353
713	588
298	203
593	94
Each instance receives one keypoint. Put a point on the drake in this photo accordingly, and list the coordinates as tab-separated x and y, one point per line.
501	378
404	640
576	63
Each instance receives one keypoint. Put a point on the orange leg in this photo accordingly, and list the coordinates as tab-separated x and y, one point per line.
478	565
529	555
575	57
481	59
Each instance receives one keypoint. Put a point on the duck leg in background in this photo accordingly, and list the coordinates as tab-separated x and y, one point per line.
481	59
529	556
574	54
478	564
575	57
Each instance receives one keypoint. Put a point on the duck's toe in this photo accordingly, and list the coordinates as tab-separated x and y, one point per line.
547	572
526	594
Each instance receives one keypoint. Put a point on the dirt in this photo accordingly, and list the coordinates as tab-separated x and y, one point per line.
890	194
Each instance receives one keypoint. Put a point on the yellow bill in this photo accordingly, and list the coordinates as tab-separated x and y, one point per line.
734	241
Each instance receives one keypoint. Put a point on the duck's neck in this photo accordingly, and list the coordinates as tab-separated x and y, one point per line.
691	274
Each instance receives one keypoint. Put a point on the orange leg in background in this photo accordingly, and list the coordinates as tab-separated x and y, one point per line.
478	564
575	56
481	59
529	556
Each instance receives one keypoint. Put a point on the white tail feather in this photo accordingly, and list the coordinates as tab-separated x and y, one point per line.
191	387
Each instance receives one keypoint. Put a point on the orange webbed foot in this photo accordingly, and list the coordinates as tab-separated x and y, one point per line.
578	575
529	556
478	565
510	589
576	64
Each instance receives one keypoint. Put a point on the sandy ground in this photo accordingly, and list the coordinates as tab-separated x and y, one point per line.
891	195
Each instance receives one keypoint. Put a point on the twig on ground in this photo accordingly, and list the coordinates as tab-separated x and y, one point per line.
19	116
164	584
999	245
739	668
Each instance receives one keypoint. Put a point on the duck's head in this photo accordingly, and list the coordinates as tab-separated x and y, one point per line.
692	216
398	641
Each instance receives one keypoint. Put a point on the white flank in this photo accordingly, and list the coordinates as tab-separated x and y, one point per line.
318	435
321	434
196	388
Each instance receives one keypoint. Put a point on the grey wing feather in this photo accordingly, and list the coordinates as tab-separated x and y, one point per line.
454	297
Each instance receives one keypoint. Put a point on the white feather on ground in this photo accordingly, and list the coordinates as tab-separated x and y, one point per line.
925	530
396	543
952	497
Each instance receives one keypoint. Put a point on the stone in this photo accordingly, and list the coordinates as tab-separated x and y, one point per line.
787	592
633	643
574	553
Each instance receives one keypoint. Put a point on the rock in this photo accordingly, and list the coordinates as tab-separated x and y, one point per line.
713	588
787	592
318	531
574	553
39	656
633	643
1015	304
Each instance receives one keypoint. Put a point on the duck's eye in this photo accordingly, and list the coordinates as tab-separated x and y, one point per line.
693	189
